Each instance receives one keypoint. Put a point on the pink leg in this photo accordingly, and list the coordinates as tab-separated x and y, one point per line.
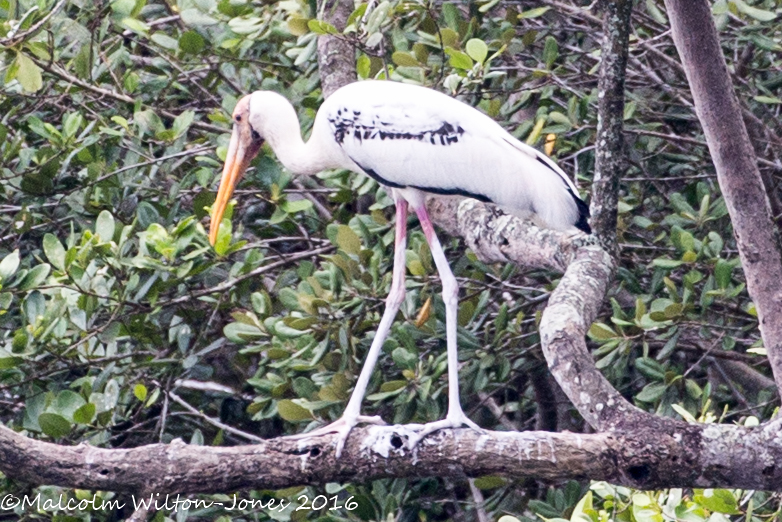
351	417
455	417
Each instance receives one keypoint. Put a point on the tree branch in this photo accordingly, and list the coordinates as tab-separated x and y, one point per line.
34	29
336	56
609	154
118	96
690	455
742	187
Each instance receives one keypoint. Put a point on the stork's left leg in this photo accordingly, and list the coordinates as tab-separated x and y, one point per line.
351	417
456	417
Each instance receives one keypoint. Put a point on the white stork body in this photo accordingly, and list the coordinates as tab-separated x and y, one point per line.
405	136
413	140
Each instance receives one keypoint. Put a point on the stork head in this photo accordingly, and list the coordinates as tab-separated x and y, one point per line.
244	146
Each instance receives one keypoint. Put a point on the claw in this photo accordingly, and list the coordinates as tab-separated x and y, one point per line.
342	427
451	421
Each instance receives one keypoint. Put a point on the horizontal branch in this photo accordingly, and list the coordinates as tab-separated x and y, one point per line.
689	456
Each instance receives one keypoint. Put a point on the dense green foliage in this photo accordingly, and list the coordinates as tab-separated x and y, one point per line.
113	307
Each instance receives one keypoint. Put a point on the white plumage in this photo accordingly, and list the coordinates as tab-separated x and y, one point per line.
399	134
413	140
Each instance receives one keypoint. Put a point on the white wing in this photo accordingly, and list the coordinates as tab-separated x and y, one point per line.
408	136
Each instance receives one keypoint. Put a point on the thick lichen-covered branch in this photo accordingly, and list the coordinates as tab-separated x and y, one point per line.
692	455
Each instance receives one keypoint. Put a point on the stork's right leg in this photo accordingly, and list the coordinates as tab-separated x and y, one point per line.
351	417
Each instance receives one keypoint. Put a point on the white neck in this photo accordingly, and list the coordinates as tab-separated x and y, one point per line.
276	120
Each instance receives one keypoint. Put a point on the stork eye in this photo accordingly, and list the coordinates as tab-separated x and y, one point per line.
238	118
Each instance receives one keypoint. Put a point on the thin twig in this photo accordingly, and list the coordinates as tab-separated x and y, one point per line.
222	287
211	420
18	38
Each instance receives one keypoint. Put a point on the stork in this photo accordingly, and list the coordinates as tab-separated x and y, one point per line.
412	140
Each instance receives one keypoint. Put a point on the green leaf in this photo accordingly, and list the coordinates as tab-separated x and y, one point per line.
147	122
583	507
104	226
68	402
84	414
488	5
753	12
191	42
459	59
35	276
153	398
123	7
28	73
667	263
54	425
165	41
534	13
450	38
768	99
550	51
543	509
140	391
376	18
404	59
358	13
72	124
182	123
196	17
137	26
722	273
656	13
416	267
131	82
298	26
290	411
650	368
39	49
321	27
719	500
81	62
489	482
651	392
693	389
299	205
558	117
392	386
224	235
477	49
601	332
645	509
8	265
404	359
363	65
348	240
241	333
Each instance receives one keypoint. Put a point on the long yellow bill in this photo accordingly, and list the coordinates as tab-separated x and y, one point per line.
241	152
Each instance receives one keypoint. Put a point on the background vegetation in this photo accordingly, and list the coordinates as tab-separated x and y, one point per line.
121	326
